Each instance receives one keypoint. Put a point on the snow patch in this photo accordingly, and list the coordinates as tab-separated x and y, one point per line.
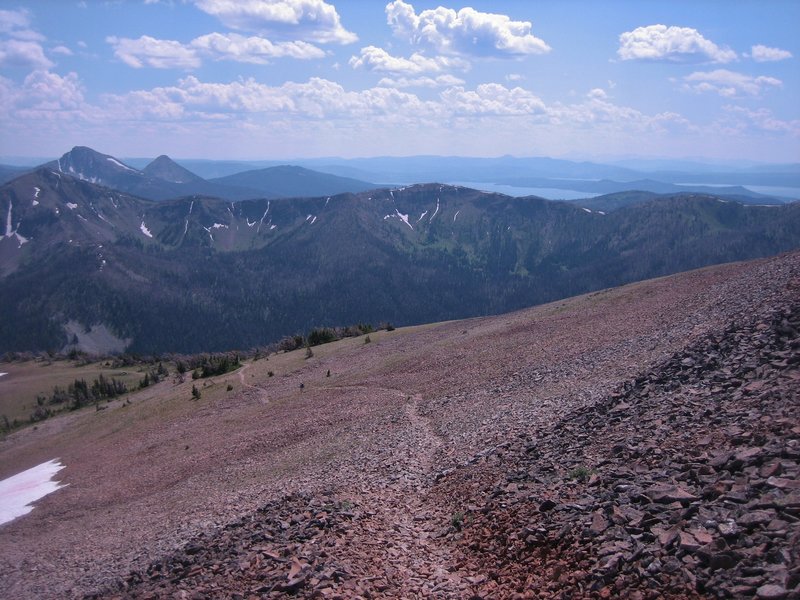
403	218
312	220
587	210
422	216
308	217
71	206
272	227
455	216
249	224
8	220
20	491
600	212
264	216
328	199
143	228
36	191
436	212
119	164
219	226
1	374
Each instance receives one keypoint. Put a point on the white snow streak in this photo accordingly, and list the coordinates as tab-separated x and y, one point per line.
403	218
249	224
264	216
145	230
455	216
8	220
119	164
20	239
436	212
36	192
20	491
219	226
71	206
272	227
1	374
312	220
422	216
587	210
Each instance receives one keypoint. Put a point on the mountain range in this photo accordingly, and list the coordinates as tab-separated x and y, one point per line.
197	273
163	178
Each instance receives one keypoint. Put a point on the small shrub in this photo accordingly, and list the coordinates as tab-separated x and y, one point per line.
581	474
230	387
270	374
195	393
457	520
367	340
309	352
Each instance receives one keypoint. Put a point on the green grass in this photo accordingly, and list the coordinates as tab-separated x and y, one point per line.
26	380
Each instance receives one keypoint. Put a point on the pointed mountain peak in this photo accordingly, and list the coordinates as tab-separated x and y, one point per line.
166	169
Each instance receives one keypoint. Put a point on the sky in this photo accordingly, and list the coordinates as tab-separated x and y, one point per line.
282	79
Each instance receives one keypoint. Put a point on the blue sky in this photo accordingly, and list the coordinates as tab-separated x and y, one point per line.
282	79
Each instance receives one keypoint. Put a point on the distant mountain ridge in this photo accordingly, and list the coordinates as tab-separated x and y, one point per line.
198	274
163	179
286	181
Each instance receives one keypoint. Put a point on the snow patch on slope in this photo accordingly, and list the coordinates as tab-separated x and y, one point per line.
119	164
143	228
20	491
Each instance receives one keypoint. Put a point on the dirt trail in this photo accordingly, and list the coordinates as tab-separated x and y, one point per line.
401	529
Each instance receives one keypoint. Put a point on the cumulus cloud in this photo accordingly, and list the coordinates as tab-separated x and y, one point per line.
311	20
256	50
23	53
467	32
378	59
729	83
151	52
424	82
761	53
170	54
674	44
740	119
63	50
17	24
597	94
317	99
493	99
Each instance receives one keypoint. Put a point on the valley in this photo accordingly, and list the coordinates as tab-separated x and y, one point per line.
96	268
446	459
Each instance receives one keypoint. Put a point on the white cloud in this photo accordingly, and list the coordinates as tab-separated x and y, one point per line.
378	59
315	99
492	99
13	20
63	50
23	53
424	82
761	53
170	54
729	83
313	20
675	44
597	94
256	50
741	119
466	32
151	52
515	77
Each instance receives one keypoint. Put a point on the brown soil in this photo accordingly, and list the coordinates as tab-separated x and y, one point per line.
421	466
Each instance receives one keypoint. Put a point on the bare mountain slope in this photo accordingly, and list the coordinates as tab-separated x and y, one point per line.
641	440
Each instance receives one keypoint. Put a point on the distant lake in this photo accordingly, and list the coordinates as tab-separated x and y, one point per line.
510	190
767	190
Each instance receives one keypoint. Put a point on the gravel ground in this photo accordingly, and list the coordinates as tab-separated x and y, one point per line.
426	464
